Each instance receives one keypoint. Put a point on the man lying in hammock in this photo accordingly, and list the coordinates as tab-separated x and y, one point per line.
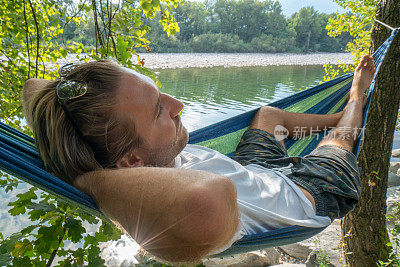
110	132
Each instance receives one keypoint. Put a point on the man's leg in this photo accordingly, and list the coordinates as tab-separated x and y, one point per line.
350	118
268	118
332	171
353	112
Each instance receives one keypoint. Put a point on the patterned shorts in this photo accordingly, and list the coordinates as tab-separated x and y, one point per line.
330	173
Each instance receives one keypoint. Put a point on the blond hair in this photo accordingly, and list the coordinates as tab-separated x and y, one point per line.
106	138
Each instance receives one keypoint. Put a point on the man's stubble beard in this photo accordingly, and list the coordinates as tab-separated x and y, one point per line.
164	156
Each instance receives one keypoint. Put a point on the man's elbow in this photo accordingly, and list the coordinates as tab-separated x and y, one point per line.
213	212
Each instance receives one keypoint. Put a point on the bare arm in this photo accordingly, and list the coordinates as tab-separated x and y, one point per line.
177	215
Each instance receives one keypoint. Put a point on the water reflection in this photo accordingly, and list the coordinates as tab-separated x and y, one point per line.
214	94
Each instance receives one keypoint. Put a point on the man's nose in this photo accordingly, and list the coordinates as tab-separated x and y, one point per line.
175	106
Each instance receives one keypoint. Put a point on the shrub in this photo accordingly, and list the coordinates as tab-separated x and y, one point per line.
167	44
270	44
218	42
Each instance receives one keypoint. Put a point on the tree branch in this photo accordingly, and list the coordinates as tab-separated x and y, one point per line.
9	59
60	239
104	23
37	37
98	35
74	15
27	42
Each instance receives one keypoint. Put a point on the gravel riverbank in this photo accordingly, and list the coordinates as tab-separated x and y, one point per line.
204	60
207	60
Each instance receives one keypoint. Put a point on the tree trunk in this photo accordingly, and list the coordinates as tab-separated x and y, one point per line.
364	229
308	41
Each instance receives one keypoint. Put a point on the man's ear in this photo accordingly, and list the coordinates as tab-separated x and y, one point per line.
130	160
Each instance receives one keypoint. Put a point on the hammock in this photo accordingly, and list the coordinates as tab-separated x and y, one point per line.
20	158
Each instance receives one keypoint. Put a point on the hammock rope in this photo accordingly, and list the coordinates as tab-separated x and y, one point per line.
20	158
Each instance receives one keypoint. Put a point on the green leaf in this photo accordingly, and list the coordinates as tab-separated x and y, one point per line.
40	209
22	202
5	259
7	246
90	240
75	229
63	52
107	232
22	262
87	217
17	210
21	248
48	238
66	263
30	254
123	49
79	254
94	258
29	229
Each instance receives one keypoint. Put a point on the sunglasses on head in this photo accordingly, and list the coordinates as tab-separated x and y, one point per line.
67	90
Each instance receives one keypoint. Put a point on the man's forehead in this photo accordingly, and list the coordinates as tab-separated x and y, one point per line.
138	94
141	77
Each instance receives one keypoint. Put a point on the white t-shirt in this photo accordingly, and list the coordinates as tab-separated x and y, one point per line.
267	199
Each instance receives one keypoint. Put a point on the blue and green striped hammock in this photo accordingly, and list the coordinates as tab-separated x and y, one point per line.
20	158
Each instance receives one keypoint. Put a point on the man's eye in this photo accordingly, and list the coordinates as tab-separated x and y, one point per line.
160	111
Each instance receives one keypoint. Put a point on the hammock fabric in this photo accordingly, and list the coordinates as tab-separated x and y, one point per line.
20	158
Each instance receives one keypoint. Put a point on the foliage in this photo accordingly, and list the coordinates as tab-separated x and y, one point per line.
167	44
34	35
259	26
191	18
311	35
270	44
55	223
217	42
24	29
247	18
322	258
252	21
307	26
358	23
160	41
394	257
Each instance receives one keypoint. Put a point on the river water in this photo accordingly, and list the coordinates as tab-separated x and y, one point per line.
213	94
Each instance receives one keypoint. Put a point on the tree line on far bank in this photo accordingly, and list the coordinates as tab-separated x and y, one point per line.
246	26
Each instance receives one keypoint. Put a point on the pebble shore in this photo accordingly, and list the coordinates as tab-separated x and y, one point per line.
208	60
205	60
